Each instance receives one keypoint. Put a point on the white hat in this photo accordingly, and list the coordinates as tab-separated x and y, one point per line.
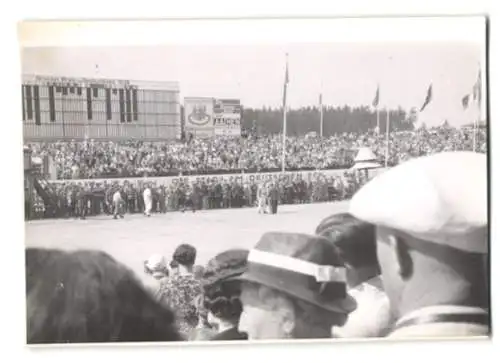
440	198
365	159
156	263
365	154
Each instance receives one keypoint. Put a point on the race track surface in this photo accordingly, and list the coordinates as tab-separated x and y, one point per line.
134	238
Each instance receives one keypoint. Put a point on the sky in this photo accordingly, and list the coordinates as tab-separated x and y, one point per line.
345	72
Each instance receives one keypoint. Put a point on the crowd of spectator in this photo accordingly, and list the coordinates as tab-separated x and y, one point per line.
393	267
78	200
107	159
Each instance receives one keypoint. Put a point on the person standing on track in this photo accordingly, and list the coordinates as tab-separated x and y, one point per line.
181	195
261	198
148	200
82	202
195	196
117	203
131	199
274	196
162	195
189	199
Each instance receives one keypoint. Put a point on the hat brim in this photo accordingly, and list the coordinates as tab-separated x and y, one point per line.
221	278
345	305
158	274
366	165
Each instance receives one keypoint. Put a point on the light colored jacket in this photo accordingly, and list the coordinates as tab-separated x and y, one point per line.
372	317
147	194
117	197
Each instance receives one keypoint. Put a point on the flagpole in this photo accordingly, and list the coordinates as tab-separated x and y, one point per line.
321	114
387	125
474	136
376	103
378	121
63	100
283	161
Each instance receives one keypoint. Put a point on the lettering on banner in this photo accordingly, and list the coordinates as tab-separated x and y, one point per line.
253	178
224	121
181	179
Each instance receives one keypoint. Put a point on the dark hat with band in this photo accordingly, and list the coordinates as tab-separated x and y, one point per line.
301	266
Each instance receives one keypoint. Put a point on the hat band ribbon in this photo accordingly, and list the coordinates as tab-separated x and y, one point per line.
322	273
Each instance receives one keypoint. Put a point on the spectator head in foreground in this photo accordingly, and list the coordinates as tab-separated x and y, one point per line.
88	297
185	256
432	236
222	293
182	290
294	288
355	242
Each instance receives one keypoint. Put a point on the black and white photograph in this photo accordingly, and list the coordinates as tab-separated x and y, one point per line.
188	191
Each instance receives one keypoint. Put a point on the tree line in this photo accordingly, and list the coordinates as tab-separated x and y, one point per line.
346	119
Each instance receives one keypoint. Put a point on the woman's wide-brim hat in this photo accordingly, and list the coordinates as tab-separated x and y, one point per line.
156	263
303	267
226	266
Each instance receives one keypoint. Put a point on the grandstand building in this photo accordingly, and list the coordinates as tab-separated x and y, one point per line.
61	108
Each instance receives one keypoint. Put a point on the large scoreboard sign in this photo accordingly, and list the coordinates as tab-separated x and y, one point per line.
62	108
227	117
199	116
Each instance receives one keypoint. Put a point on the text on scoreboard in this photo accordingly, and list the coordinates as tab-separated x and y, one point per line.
227	117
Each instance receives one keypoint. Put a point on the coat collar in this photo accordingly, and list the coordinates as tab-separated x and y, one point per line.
453	314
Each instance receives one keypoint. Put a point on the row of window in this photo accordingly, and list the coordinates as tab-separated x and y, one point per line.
101	131
60	92
100	106
127	103
81	117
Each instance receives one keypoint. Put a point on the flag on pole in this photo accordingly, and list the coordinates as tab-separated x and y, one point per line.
465	101
428	98
377	97
285	86
320	100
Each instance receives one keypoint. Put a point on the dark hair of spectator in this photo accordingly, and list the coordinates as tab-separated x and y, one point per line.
88	297
221	291
174	264
355	239
185	255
